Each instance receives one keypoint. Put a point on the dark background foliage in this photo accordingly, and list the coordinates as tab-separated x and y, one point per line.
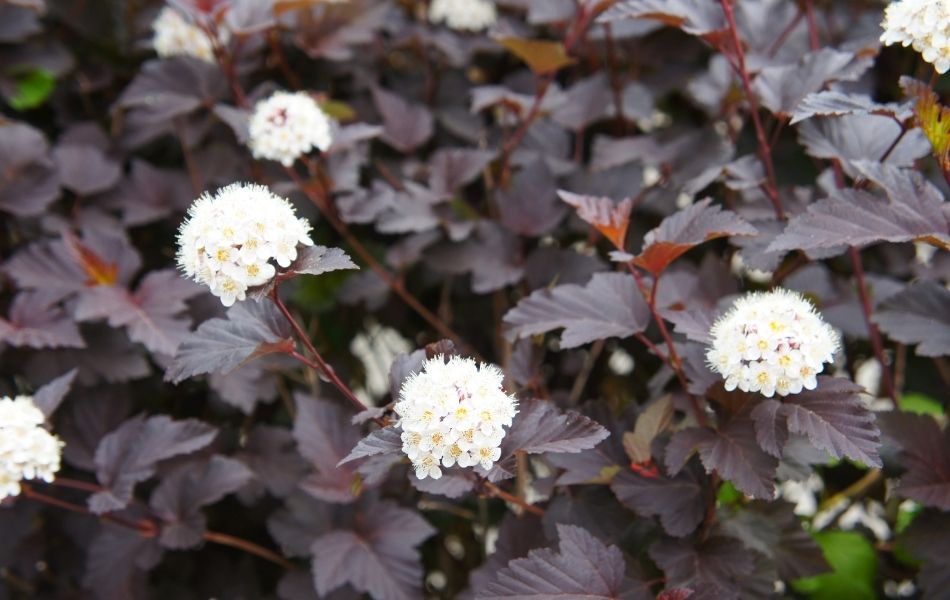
567	196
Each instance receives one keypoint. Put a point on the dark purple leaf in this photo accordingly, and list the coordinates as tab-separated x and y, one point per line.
857	137
771	430
732	451
517	535
835	419
491	255
834	103
220	345
927	540
716	564
540	427
685	229
246	386
36	323
549	266
692	16
82	423
529	205
51	395
403	366
180	496
28	178
18	23
407	126
151	315
108	356
151	193
781	88
583	567
311	260
85	169
129	455
378	556
302	520
380	442
324	436
913	210
454	483
925	453
584	103
271	453
609	306
116	563
775	531
920	314
452	168
679	502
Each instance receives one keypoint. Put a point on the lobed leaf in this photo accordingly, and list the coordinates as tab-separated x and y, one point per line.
925	453
919	314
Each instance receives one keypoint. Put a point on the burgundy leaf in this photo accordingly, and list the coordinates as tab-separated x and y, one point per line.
129	454
407	126
609	306
382	441
517	535
378	556
271	453
529	205
540	427
913	210
679	502
927	540
685	229
28	179
692	16
610	218
920	314
324	436
491	255
454	483
180	496
51	395
925	453
717	564
116	563
246	386
452	168
85	169
781	88
151	315
771	430
834	103
35	323
582	567
220	345
18	23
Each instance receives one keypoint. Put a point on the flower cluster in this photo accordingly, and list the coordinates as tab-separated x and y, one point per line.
285	126
229	239
464	15
27	450
771	343
174	36
453	413
923	24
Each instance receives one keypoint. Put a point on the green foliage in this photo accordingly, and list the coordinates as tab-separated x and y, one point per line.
854	568
33	88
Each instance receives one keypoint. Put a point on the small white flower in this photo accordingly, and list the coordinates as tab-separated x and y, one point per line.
174	36
923	24
454	412
229	239
771	343
288	125
27	450
464	15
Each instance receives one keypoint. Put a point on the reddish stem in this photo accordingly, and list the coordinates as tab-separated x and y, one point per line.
765	151
873	332
812	25
224	539
497	492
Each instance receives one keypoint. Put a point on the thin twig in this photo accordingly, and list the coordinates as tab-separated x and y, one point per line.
224	539
580	382
497	492
873	332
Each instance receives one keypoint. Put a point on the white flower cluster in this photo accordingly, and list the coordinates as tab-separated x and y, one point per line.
923	24
229	239
27	450
286	125
174	36
453	413
464	15
771	343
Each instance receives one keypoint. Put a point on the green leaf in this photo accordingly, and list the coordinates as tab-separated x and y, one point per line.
319	294
920	404
728	494
854	565
340	111
32	88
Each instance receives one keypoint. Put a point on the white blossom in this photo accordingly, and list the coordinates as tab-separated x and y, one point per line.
286	126
923	24
230	237
464	15
771	343
453	413
174	36
27	450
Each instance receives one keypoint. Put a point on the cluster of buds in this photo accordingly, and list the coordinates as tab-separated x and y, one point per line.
27	449
286	126
453	413
230	238
771	343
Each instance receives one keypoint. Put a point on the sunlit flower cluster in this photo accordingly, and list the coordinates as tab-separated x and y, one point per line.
27	450
464	15
175	36
453	413
286	126
923	24
229	239
771	343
